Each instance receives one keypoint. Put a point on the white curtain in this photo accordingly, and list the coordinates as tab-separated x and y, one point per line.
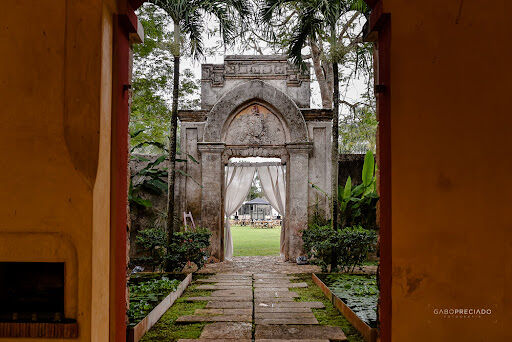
238	180
273	183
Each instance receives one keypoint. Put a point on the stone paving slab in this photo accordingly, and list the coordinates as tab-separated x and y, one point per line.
230	281
282	315
279	285
260	299
272	275
229	305
294	340
224	287
210	298
271	303
258	309
287	321
232	293
223	311
223	330
298	332
214	340
214	318
275	294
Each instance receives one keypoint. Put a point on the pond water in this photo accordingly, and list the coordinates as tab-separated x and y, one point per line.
359	292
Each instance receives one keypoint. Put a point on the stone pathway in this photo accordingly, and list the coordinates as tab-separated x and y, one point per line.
271	264
257	307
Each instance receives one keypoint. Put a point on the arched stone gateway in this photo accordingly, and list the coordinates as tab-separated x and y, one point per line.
251	107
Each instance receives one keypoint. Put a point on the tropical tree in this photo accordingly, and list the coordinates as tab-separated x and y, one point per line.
189	19
315	22
152	83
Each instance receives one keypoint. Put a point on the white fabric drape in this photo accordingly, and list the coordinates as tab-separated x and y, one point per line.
273	183
238	180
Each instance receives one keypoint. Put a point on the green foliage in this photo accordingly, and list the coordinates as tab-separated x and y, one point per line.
347	247
358	205
189	246
353	246
152	241
146	295
319	242
151	178
359	292
152	83
358	130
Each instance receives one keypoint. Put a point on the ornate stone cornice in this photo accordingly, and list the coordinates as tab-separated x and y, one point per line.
314	114
253	67
192	115
211	147
302	147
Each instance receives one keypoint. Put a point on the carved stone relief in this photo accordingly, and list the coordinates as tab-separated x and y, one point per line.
255	125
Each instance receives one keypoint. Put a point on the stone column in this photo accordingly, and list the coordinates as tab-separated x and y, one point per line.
212	197
297	201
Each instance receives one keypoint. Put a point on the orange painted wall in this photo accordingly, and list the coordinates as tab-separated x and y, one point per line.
451	129
56	86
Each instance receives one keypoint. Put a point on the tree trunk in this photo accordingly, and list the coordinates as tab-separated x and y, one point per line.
323	73
335	135
172	150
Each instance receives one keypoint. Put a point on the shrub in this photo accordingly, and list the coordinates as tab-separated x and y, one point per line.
347	247
187	246
153	241
319	242
353	246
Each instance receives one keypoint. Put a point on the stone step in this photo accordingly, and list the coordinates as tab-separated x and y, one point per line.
259	309
272	275
260	299
224	287
275	294
299	332
232	293
214	318
279	285
214	340
294	340
273	303
223	330
229	305
284	315
287	321
214	298
223	311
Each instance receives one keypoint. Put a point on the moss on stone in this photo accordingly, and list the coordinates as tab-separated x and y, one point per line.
166	329
328	316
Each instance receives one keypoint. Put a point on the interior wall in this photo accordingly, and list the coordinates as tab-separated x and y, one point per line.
450	175
56	72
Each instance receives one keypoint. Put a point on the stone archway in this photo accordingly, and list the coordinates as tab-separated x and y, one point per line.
251	109
248	122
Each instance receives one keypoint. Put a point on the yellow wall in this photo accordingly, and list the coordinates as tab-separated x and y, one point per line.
55	86
451	126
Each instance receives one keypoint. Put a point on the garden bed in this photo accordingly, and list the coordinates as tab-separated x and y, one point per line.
151	295
356	297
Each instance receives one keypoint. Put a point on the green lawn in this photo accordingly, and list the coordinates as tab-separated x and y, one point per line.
255	241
